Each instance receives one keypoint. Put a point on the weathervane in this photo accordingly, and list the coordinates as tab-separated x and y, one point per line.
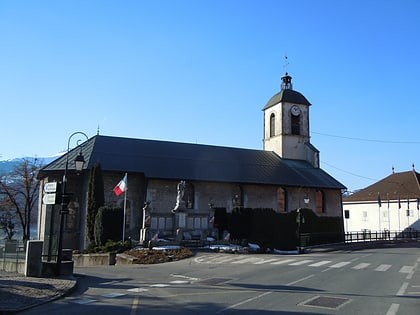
286	63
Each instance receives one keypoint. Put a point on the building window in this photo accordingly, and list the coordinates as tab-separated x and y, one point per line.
189	195
281	200
364	216
272	125
320	201
237	200
295	125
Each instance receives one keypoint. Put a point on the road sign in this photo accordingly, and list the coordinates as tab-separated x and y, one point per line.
50	187
48	199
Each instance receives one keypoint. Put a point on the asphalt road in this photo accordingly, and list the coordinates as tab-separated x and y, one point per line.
382	281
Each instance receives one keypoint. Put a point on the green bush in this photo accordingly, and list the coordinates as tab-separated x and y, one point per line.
109	247
108	225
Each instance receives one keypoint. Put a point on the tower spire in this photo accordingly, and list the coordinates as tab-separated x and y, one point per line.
286	82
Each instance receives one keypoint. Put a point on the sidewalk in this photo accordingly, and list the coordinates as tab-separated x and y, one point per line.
18	293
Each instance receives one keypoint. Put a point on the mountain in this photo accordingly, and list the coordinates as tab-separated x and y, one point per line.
6	166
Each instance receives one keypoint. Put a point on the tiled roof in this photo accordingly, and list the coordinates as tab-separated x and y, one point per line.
404	185
289	96
175	160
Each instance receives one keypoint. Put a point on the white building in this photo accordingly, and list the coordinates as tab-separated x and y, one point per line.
392	204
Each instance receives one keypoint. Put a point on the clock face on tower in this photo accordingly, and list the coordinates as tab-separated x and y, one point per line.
295	110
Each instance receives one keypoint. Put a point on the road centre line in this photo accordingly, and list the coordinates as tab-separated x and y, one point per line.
244	302
134	305
393	309
411	273
299	280
402	289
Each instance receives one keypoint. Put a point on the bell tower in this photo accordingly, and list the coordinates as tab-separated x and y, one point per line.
286	125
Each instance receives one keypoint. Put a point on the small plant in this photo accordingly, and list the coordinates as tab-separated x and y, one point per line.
109	247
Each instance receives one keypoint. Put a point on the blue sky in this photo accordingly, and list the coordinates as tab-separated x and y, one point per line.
201	71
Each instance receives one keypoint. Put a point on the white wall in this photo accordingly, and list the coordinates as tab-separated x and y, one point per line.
369	216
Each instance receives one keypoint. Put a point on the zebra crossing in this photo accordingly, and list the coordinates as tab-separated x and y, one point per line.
354	265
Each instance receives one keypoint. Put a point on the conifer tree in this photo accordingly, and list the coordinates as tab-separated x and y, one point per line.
96	199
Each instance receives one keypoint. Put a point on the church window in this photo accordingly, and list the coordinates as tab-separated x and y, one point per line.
320	201
281	200
237	200
272	125
295	125
189	195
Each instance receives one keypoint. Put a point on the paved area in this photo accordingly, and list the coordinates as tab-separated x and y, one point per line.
18	293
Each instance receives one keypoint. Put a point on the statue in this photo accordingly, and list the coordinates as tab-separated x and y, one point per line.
180	195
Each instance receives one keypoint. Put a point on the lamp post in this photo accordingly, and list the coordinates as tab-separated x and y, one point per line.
79	161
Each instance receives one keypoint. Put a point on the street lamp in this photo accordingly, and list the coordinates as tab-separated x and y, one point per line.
79	161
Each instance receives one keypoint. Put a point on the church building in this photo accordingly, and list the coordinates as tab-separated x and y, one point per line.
284	176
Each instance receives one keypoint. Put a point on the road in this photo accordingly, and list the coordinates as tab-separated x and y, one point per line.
382	281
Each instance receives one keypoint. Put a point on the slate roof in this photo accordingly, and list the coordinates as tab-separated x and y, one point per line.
175	160
289	96
403	185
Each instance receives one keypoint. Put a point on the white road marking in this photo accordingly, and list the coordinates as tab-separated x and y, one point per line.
302	262
401	291
180	282
112	295
221	260
185	277
406	269
393	309
382	267
138	290
246	260
341	264
159	285
320	263
266	261
361	266
244	302
283	261
305	278
83	301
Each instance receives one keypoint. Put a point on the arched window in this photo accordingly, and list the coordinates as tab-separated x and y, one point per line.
189	195
295	125
237	200
320	202
281	200
272	125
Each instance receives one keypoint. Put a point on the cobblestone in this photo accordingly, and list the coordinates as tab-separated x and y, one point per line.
18	292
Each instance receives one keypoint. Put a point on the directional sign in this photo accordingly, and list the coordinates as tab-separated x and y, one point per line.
48	199
50	187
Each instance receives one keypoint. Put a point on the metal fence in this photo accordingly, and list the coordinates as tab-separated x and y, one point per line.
367	236
12	255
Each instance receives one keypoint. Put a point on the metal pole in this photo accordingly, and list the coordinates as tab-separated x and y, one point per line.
64	201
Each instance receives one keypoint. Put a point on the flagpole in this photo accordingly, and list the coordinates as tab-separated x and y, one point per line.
389	218
125	204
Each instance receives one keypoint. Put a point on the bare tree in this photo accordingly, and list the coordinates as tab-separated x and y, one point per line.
19	191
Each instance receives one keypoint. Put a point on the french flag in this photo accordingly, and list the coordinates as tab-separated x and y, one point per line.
121	186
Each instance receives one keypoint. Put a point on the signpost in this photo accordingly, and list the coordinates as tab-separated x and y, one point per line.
50	187
50	197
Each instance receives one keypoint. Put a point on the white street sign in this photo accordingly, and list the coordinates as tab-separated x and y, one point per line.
49	199
50	187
